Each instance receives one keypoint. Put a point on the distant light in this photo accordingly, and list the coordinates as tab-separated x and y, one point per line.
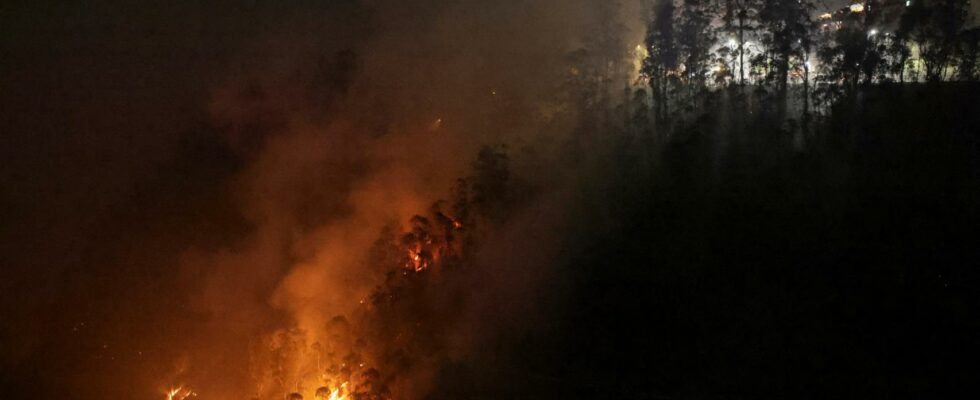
826	16
872	32
908	3
857	7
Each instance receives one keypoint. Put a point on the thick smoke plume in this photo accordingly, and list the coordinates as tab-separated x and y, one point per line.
346	135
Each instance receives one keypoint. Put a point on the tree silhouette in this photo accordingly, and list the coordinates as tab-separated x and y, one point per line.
660	66
740	20
786	26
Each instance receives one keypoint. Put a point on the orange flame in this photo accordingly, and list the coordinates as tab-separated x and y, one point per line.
179	393
339	393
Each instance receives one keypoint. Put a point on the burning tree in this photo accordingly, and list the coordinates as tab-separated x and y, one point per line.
397	330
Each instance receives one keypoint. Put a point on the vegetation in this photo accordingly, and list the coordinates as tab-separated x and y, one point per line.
779	216
772	45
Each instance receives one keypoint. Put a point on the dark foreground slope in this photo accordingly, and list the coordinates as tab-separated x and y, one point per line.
752	260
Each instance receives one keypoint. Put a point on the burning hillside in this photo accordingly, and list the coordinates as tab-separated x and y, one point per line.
380	347
354	280
290	240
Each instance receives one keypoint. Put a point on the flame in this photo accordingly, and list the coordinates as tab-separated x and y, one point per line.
179	393
416	262
339	393
427	245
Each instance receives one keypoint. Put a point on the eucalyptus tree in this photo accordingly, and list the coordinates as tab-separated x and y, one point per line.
740	20
695	38
660	66
787	26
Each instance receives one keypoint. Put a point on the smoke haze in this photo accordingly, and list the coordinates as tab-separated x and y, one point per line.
223	175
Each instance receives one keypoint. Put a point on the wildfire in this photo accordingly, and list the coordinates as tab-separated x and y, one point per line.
339	393
430	240
415	260
179	393
284	363
324	393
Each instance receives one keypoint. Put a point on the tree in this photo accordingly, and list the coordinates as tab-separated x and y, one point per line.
844	57
695	38
968	54
786	25
936	27
898	53
739	20
661	61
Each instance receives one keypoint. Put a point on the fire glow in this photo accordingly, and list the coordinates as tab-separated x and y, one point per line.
322	393
179	393
292	371
425	246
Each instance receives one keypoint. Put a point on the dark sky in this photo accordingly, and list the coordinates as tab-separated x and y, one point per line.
96	95
105	146
89	87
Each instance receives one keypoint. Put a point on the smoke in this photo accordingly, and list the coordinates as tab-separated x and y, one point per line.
357	117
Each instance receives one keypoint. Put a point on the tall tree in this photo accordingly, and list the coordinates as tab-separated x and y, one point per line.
846	57
695	38
739	21
661	61
787	23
